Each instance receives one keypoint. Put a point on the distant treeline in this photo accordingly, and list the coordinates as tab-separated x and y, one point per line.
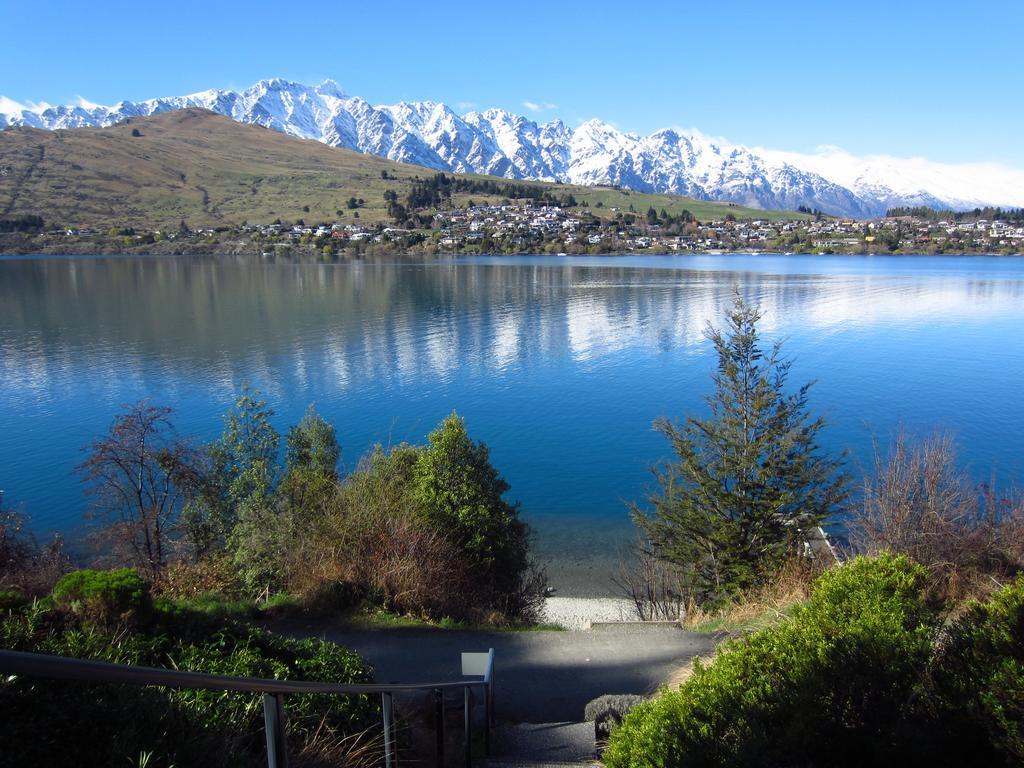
932	214
25	223
810	211
439	188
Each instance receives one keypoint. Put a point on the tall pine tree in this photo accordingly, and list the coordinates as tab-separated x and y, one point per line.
745	481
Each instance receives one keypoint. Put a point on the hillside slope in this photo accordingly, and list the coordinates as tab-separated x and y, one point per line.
501	143
208	170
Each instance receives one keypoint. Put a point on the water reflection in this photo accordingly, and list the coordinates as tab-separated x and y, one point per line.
561	357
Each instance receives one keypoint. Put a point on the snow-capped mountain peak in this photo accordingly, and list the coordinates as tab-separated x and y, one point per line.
498	142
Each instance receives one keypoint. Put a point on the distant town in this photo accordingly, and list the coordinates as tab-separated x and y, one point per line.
527	227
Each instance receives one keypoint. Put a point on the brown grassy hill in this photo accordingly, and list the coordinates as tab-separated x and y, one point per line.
209	170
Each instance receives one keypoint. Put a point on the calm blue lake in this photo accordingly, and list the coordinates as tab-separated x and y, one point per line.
559	364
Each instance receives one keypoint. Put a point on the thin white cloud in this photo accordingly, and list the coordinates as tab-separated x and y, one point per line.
86	104
465	106
539	106
8	106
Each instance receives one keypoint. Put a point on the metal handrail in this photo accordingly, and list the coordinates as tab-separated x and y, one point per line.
88	671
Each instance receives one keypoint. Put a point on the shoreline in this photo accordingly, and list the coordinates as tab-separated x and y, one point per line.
303	253
582	577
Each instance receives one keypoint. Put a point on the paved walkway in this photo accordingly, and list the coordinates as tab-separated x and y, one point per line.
540	677
551	744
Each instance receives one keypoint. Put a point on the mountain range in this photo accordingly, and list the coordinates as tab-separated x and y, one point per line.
500	143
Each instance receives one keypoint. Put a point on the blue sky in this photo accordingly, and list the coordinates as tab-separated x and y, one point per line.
941	80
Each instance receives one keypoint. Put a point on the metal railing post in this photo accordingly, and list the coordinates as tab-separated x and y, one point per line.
467	724
488	701
389	744
274	724
487	720
490	687
439	725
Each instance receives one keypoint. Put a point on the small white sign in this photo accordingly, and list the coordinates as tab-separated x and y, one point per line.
474	663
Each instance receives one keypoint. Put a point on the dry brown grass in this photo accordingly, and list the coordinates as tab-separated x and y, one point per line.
325	748
685	672
761	605
754	609
186	579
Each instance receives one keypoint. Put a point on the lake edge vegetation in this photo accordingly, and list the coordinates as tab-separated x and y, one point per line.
200	546
911	653
878	660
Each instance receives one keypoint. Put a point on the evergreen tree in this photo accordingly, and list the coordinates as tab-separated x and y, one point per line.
745	481
461	493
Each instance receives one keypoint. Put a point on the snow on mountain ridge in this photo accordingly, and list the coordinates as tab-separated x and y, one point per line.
502	143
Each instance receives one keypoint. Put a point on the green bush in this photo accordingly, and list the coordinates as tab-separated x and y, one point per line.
462	495
11	599
104	598
43	718
827	687
977	684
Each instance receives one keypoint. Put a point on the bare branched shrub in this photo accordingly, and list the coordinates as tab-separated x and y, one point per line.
139	475
25	564
656	587
416	570
525	604
660	591
919	502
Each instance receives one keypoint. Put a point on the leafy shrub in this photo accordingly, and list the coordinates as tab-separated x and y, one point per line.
977	684
11	599
461	494
385	552
826	687
184	728
104	598
607	711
